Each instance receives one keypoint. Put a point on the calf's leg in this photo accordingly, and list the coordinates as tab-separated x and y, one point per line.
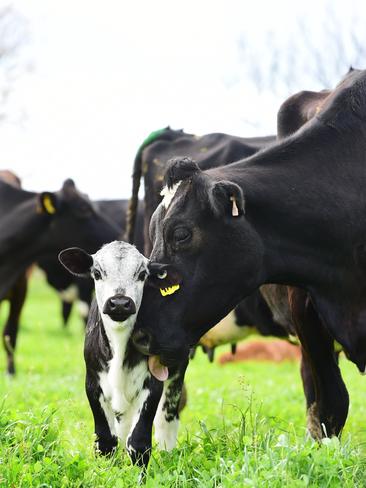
138	442
167	417
106	439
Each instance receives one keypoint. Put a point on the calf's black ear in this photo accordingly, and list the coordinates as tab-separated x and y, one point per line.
179	169
77	261
227	199
48	203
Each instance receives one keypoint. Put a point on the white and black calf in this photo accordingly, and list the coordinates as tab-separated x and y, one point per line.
126	390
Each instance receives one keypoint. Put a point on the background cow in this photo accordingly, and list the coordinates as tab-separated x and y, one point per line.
35	225
208	151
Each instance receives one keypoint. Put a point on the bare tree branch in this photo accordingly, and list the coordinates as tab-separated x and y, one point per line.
306	58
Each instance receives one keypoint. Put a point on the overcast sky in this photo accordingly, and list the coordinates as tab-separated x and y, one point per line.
107	73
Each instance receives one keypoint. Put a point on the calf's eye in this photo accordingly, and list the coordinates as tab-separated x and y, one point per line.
181	234
142	276
97	274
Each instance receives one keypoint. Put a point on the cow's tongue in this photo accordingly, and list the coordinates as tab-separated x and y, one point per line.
158	370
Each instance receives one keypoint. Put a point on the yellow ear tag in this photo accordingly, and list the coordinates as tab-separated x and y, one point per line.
169	290
48	205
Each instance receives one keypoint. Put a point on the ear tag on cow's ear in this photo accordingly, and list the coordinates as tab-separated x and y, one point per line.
48	205
169	290
234	210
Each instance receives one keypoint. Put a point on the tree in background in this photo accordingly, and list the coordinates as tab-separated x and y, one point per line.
14	38
313	53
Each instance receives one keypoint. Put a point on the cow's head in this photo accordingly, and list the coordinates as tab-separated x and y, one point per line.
206	257
75	221
119	272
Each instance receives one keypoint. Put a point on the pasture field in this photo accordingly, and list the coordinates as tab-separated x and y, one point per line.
243	425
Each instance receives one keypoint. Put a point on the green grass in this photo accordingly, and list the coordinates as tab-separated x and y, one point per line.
243	426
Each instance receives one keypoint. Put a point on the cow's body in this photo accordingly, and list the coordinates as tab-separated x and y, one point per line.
261	312
123	392
292	214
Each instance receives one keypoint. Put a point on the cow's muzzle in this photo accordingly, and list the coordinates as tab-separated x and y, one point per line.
119	308
169	356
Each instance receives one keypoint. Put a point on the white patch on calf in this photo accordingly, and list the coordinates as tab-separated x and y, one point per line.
166	431
168	194
70	294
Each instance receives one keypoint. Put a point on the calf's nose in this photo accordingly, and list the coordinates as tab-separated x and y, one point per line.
142	341
119	307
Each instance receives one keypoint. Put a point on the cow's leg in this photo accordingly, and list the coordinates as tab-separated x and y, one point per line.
106	439
327	399
167	417
308	385
66	311
17	298
138	442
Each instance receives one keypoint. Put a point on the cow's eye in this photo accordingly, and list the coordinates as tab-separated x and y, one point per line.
181	234
142	276
97	274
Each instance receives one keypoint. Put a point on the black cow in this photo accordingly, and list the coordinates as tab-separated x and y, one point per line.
71	288
151	160
208	151
17	293
42	224
292	214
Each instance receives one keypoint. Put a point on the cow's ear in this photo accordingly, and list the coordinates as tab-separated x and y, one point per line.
179	169
227	199
77	261
48	203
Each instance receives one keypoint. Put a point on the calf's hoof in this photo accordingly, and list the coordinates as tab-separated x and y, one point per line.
139	455
106	446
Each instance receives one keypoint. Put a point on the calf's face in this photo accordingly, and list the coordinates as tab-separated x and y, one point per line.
119	272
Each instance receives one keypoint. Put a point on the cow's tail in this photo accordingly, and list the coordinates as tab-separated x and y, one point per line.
134	200
136	180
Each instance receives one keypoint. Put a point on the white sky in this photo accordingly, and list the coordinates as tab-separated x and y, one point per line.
107	73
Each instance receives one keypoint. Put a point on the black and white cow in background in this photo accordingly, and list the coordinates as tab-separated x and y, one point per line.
126	391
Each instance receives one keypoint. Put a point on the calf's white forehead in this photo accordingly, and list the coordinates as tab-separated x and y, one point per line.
119	261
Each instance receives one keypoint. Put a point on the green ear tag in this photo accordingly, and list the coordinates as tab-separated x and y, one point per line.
169	290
